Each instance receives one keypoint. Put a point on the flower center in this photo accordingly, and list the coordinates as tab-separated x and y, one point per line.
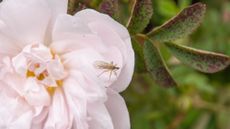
38	62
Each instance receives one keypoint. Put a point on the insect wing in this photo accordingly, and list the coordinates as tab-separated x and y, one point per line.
101	64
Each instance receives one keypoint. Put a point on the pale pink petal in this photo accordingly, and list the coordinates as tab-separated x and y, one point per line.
36	94
99	117
15	82
19	63
23	122
49	81
93	91
77	42
59	117
126	75
106	34
38	51
71	34
58	7
39	118
67	26
89	16
118	111
6	89
15	113
8	46
56	69
5	67
111	38
77	60
26	19
6	111
77	102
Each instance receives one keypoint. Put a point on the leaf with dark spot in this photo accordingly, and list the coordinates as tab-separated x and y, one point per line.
203	61
109	7
181	25
141	15
156	66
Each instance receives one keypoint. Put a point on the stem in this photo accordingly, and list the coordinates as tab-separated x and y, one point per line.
72	6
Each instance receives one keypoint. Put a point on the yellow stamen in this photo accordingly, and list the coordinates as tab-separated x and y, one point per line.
50	90
41	77
30	74
59	83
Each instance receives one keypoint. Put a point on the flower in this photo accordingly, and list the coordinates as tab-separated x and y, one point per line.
59	71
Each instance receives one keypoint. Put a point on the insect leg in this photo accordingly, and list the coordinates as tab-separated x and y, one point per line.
115	73
103	72
110	74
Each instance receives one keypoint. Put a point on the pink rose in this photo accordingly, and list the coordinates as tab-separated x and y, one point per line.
60	71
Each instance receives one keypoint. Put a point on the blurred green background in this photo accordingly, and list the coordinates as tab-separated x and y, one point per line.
201	101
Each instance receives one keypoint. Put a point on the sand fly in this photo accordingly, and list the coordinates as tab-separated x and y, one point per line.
106	67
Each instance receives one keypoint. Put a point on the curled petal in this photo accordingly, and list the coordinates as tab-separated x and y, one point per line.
36	94
77	102
99	117
15	113
89	15
59	117
118	111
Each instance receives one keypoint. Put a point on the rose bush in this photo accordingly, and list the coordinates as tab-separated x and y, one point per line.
48	77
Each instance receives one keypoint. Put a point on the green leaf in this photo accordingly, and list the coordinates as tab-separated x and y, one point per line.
109	7
167	8
181	25
203	61
139	57
156	66
141	15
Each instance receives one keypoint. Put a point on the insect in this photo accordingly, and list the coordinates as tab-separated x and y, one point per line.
106	67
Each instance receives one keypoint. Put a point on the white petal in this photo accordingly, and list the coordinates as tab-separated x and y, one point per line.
76	100
108	36
39	118
67	25
5	67
56	69
58	6
71	34
118	110
58	117
6	111
89	15
126	74
77	60
23	122
27	20
36	94
8	45
90	29
99	117
93	91
16	82
15	113
19	63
